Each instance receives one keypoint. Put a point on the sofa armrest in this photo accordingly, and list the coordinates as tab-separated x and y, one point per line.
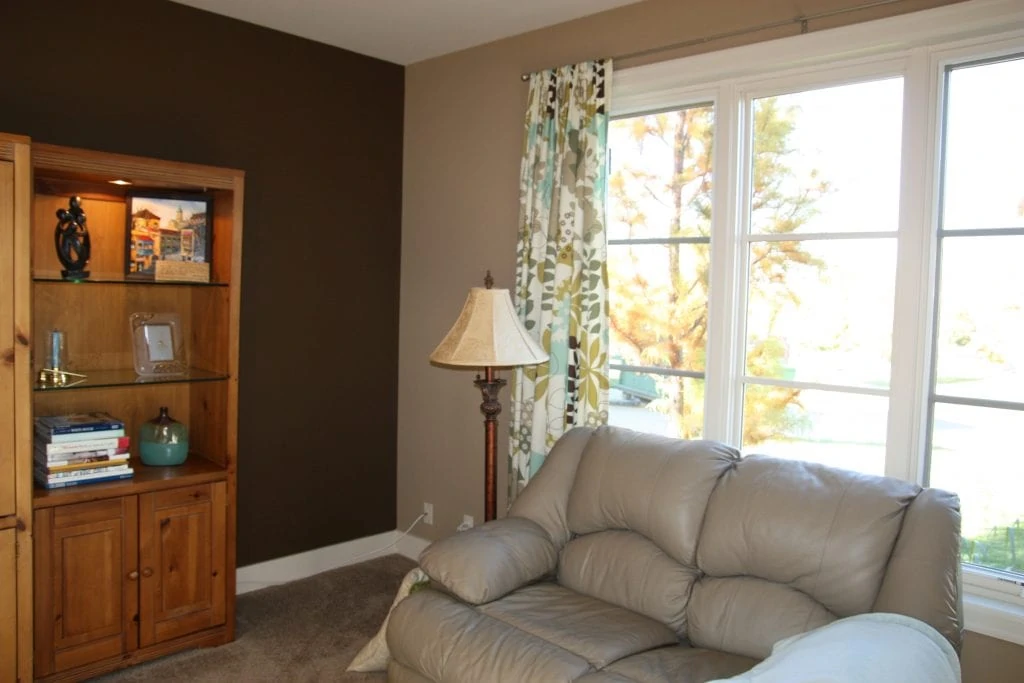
490	561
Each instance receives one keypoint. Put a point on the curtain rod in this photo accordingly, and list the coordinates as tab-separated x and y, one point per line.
802	20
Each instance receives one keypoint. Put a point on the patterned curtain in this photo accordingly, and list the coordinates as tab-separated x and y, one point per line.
561	270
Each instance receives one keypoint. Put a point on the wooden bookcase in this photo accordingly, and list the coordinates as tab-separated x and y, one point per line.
16	604
129	570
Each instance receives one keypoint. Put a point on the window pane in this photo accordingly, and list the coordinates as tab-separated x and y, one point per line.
658	301
978	454
980	346
828	160
984	146
821	311
828	427
660	174
657	404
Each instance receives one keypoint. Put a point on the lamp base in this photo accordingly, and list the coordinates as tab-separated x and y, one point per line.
491	408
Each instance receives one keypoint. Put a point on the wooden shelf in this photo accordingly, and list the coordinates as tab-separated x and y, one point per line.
195	470
95	379
115	279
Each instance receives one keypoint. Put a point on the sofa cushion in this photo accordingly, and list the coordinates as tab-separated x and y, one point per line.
604	676
823	531
656	486
445	640
680	664
488	561
399	673
626	569
747	615
595	630
546	498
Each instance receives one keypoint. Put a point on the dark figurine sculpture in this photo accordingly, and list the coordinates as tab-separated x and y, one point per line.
72	240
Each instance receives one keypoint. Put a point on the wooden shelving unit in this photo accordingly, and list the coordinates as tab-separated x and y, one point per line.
165	587
16	518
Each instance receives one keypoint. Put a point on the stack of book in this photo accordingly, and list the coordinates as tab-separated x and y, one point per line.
80	448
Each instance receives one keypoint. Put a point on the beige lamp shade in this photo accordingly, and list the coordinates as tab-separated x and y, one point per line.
487	334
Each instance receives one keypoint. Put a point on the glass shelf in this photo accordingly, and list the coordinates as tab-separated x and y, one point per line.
120	378
116	279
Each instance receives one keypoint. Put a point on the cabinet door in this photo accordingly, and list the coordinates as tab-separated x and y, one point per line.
8	613
6	338
86	584
182	555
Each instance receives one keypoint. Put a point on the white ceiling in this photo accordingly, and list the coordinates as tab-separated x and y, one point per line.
405	31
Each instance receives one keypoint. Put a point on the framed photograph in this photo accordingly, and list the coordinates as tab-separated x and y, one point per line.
170	227
159	344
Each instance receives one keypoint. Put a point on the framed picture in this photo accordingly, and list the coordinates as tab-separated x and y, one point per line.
159	344
171	227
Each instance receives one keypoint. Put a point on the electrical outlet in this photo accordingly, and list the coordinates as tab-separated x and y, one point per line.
428	513
467	523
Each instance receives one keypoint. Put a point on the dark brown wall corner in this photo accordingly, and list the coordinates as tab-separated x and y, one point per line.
318	132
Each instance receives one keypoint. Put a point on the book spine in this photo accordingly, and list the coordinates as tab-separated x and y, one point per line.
75	482
78	465
80	436
83	446
98	426
80	456
88	473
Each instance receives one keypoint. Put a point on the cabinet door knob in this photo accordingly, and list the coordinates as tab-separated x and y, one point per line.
133	575
147	572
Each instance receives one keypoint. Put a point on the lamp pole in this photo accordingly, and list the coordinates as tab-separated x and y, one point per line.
489	388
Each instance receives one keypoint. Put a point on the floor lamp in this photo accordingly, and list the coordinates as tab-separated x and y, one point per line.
488	335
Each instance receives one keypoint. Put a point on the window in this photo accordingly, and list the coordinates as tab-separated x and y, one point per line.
818	256
823	206
659	238
976	403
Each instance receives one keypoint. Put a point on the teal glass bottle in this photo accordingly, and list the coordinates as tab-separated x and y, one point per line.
163	441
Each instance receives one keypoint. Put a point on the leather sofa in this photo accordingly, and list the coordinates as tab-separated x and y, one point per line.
632	557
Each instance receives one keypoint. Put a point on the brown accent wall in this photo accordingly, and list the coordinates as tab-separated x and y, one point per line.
463	137
318	132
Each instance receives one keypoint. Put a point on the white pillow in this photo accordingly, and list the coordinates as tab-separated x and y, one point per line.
375	654
877	647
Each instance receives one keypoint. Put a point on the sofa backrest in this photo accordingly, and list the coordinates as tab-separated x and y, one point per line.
635	510
733	553
794	544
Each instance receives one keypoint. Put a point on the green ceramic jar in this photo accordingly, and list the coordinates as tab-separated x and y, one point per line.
163	441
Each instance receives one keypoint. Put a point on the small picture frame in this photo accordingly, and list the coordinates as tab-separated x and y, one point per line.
172	227
159	344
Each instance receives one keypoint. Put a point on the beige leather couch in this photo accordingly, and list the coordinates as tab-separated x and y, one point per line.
631	557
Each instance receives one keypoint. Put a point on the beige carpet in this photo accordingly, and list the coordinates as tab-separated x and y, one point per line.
307	630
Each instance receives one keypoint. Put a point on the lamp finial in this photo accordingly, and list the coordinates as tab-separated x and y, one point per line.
488	280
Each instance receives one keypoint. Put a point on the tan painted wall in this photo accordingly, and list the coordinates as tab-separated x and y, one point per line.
463	136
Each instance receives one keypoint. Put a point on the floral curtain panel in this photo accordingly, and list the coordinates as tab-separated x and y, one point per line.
561	273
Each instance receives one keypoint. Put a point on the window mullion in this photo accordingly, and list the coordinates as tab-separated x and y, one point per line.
724	389
914	274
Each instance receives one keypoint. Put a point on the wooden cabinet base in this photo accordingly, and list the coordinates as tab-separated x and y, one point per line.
120	576
209	638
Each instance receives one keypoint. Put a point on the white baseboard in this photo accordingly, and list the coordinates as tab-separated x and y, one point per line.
299	566
412	546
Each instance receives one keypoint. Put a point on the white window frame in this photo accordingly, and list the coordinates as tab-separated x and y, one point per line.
917	46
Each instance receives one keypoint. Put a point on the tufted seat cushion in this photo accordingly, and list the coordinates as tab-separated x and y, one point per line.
568	633
595	630
680	664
